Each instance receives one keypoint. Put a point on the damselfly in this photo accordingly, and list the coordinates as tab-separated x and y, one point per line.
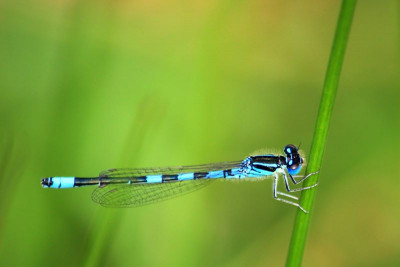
129	187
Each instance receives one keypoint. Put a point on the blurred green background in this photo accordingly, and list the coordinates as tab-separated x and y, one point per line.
91	85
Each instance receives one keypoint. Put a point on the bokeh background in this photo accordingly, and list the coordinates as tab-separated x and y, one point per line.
90	85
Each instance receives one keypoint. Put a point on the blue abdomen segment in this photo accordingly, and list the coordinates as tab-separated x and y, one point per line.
215	174
58	182
154	178
185	176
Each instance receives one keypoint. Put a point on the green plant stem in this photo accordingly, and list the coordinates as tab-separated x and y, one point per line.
300	230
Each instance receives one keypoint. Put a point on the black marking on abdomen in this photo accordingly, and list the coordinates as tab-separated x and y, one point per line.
227	173
103	181
85	181
47	181
169	177
140	179
199	175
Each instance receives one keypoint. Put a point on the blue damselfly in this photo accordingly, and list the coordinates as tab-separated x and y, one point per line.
128	187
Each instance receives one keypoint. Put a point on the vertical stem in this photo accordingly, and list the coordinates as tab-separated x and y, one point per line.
300	230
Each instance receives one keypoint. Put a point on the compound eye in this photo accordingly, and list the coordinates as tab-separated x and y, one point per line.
294	166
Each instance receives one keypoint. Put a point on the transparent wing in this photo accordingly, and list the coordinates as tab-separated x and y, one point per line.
132	172
135	195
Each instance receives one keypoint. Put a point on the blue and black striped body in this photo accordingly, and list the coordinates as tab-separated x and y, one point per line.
134	187
251	167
